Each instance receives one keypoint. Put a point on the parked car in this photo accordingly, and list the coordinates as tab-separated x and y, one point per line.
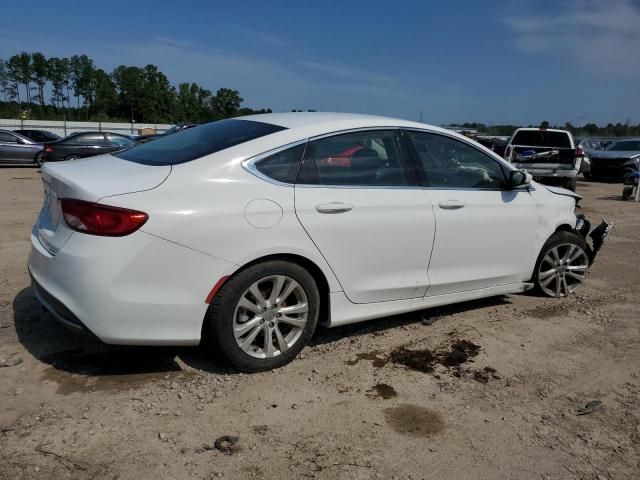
174	129
86	144
250	232
18	149
40	136
609	164
551	156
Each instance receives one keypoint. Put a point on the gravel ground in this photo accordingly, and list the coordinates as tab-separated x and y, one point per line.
492	388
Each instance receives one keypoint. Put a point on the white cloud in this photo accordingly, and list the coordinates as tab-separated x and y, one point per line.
601	36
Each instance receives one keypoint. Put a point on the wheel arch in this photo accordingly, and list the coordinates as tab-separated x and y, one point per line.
314	270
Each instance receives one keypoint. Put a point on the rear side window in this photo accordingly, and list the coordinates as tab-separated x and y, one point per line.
282	166
370	158
87	139
8	138
197	142
541	138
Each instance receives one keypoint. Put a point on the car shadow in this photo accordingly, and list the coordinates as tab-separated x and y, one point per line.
613	197
82	356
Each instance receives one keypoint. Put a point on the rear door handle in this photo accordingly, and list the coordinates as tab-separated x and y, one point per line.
451	204
334	207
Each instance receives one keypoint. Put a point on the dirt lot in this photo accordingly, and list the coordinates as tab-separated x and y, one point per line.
346	408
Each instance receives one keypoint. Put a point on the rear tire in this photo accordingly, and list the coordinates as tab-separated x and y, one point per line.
627	192
562	265
38	160
255	329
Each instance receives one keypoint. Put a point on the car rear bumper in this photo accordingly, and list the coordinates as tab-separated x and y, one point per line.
134	290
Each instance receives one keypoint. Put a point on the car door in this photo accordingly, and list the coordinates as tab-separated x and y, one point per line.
91	144
484	232
364	211
13	149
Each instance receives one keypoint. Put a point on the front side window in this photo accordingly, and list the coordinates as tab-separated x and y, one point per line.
370	158
8	138
282	166
197	142
450	163
118	141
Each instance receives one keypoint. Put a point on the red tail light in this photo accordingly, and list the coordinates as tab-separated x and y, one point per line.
507	152
96	219
48	149
579	152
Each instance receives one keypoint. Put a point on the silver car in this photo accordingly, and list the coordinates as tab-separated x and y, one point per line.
18	149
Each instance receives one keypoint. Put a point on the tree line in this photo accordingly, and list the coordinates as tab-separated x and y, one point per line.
33	86
625	129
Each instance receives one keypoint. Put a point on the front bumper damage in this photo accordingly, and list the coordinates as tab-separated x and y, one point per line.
598	234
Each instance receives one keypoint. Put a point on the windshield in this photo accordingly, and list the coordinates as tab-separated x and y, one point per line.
625	146
173	129
197	142
542	138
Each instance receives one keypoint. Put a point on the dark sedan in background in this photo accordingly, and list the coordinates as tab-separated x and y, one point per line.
86	144
40	136
18	149
608	164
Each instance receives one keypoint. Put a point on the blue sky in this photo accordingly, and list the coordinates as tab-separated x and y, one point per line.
502	61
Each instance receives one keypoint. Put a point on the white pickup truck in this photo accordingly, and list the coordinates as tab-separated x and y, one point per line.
550	156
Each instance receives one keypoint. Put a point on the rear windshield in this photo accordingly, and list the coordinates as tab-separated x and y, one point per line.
627	145
541	138
197	142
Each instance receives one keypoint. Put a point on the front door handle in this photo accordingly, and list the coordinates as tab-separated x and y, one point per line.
451	204
334	207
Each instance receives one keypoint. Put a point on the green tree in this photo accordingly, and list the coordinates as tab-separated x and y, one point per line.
58	72
5	84
104	102
40	69
81	69
544	124
226	102
20	73
130	85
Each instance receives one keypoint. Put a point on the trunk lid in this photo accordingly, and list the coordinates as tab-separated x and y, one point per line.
89	179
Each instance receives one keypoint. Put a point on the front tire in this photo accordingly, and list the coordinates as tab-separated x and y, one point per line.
562	265
264	316
38	160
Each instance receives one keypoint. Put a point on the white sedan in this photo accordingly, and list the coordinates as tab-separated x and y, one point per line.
250	232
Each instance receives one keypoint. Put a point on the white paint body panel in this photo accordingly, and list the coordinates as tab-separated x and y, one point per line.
394	252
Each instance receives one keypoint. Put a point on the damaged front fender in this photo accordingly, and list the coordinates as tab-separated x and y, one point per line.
597	235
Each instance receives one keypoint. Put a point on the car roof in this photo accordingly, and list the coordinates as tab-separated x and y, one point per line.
326	122
537	129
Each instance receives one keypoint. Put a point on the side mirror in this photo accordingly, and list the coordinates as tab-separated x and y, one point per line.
518	178
21	141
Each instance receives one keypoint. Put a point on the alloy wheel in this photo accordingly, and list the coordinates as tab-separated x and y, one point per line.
270	316
562	270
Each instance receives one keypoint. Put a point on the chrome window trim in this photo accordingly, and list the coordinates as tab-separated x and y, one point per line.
250	163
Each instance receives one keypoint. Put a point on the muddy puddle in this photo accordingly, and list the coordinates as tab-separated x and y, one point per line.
453	358
77	371
378	361
383	390
413	420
